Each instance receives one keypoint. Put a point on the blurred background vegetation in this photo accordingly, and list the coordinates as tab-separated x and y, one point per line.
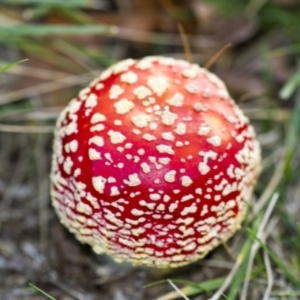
67	43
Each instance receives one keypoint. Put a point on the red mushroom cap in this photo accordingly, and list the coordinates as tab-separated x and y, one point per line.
153	163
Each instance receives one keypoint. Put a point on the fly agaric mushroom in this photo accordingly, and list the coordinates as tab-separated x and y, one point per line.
153	163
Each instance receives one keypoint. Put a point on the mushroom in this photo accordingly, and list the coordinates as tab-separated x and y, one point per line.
153	163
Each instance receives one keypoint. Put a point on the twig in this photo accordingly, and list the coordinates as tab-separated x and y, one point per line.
278	115
42	191
286	294
251	95
213	263
186	45
38	73
70	292
177	290
228	279
26	128
255	247
239	259
216	56
270	276
44	88
273	183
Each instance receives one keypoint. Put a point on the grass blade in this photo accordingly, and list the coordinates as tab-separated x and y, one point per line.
293	278
8	66
243	259
46	30
191	288
41	291
290	87
294	130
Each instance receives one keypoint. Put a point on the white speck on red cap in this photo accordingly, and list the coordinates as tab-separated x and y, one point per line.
142	92
134	180
165	149
168	136
94	154
116	137
123	106
168	118
170	176
97	140
99	183
115	92
176	100
141	120
129	77
158	84
97	117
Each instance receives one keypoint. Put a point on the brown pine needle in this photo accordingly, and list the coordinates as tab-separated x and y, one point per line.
186	45
228	250
250	95
216	56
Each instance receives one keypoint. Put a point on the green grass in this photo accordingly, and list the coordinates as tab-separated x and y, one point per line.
4	67
35	288
54	30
